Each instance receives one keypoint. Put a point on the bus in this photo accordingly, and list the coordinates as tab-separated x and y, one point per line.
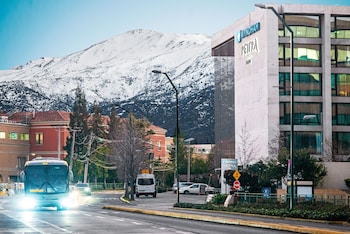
46	183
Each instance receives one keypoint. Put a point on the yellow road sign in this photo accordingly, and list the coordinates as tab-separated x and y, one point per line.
236	175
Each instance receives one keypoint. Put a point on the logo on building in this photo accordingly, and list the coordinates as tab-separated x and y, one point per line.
247	32
250	47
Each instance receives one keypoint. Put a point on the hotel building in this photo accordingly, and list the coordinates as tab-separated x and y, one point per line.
253	88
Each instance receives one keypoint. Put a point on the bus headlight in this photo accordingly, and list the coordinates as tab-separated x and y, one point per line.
28	203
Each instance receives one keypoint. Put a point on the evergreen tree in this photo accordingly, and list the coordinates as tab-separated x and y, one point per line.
79	129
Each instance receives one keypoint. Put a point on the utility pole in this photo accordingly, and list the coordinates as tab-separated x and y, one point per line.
72	149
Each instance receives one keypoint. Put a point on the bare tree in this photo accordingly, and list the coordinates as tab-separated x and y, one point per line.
246	151
130	150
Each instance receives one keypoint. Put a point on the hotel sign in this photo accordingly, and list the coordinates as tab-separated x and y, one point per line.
247	32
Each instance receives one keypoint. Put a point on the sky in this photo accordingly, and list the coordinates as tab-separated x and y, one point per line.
30	29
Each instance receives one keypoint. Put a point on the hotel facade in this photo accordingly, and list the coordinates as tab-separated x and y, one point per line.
253	89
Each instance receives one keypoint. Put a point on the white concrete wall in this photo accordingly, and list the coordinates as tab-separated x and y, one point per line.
337	173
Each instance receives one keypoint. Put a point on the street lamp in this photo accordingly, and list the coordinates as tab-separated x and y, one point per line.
176	131
188	141
263	6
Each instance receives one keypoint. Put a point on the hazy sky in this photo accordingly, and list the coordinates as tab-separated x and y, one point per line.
30	29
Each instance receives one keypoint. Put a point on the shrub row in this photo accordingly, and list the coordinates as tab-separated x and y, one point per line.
319	211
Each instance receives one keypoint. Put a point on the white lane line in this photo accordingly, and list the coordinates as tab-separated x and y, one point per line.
136	223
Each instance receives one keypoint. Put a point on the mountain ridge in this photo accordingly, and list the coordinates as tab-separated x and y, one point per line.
118	71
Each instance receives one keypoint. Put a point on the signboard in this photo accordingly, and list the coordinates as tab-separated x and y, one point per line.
236	185
266	191
236	175
227	164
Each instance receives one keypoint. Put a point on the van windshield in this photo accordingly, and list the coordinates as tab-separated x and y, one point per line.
145	181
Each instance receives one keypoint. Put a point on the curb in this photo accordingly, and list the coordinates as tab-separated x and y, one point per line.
230	221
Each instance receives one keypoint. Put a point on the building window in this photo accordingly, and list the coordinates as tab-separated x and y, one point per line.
307	26
305	55
300	111
340	27
39	138
305	84
340	55
341	143
340	114
13	135
24	136
340	85
159	146
2	135
312	141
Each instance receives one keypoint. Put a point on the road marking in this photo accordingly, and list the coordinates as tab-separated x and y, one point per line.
136	223
121	220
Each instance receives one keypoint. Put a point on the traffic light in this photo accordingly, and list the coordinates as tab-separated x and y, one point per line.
228	175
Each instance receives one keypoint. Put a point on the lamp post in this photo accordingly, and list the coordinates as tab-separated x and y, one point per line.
263	6
176	131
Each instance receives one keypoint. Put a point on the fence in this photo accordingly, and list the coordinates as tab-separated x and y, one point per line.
106	186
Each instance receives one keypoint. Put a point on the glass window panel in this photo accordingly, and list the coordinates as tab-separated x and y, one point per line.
340	85
300	111
2	135
305	84
13	135
340	55
306	26
305	140
340	27
39	138
341	143
24	136
341	114
305	55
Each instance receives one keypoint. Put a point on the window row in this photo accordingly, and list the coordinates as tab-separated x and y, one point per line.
304	84
310	84
313	142
14	136
310	113
308	26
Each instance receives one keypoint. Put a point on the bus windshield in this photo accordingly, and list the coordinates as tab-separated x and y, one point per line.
46	179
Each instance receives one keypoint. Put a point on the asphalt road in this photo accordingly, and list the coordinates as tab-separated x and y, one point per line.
165	201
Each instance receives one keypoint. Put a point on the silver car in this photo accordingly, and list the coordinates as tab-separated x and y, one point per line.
197	188
181	184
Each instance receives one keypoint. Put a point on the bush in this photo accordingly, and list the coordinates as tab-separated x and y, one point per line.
219	199
319	211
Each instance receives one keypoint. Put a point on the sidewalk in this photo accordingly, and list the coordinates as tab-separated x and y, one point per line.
209	216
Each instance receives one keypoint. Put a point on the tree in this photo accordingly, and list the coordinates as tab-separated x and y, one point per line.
306	167
80	131
130	150
246	150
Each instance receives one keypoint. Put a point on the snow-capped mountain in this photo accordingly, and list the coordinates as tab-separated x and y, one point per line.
118	71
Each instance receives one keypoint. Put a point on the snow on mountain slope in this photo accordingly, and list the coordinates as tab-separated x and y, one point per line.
119	70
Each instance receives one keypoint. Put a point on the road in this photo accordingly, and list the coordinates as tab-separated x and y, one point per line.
89	217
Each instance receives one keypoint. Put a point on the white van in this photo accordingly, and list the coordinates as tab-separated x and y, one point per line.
146	185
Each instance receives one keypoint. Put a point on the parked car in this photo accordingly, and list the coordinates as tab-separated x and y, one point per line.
181	184
197	188
83	188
